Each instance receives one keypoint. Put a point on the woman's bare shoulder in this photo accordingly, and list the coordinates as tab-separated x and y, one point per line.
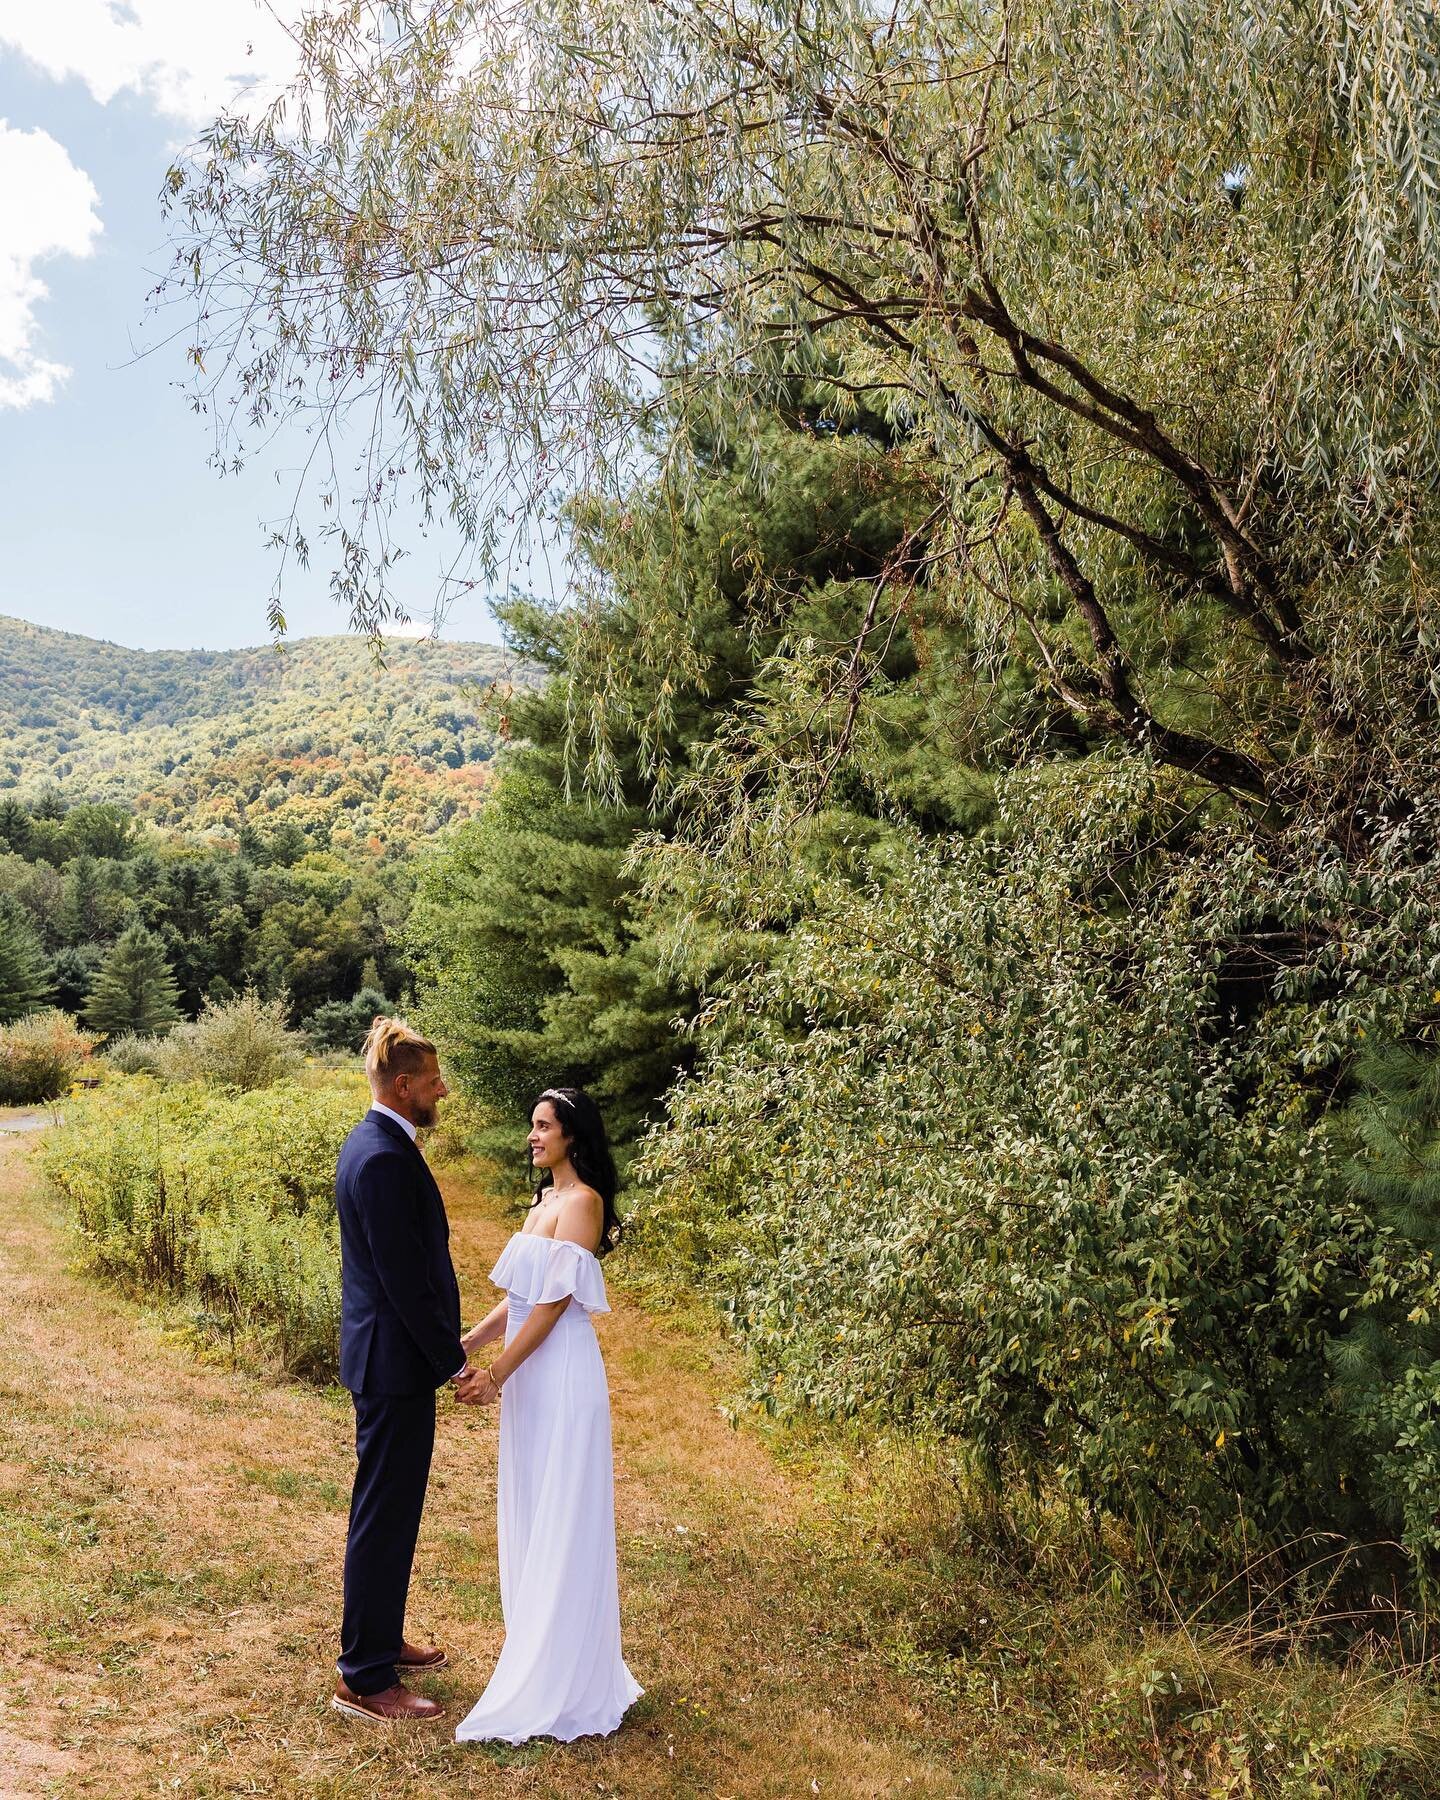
581	1218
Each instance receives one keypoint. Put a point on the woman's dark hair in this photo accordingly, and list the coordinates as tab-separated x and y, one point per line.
589	1152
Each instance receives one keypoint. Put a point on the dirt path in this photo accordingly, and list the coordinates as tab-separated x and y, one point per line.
24	1118
170	1543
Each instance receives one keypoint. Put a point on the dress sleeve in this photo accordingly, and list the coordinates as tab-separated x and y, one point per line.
541	1269
571	1272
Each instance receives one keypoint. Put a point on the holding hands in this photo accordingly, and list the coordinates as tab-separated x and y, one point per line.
475	1387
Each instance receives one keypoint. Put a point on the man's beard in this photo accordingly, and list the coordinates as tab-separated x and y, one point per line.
423	1117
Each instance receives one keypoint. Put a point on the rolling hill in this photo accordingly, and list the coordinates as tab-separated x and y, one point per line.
314	734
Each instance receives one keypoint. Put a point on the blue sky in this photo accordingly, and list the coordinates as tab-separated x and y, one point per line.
111	520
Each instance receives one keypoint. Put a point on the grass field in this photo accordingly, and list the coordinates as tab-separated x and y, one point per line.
171	1533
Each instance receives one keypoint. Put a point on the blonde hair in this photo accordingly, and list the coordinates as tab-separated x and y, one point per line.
392	1048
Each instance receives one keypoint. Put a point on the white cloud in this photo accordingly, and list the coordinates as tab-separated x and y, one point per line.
187	58
47	208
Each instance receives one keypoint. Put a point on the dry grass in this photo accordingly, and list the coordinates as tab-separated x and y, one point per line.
171	1533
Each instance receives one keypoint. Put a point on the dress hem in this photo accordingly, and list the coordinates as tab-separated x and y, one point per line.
560	1737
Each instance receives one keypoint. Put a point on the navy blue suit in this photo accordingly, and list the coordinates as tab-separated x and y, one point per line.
399	1342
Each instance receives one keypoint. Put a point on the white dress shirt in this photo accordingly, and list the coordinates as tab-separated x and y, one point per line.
399	1118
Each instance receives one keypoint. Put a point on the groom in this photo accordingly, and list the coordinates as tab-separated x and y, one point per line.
399	1342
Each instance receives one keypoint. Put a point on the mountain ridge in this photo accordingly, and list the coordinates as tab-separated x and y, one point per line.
352	751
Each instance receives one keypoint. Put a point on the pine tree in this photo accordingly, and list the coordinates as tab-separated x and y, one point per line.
541	959
72	974
14	826
538	963
135	989
22	967
81	912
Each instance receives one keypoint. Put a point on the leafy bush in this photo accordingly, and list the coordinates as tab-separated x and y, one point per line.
131	1054
464	1127
243	1043
1024	1142
40	1057
222	1200
342	1024
1386	1362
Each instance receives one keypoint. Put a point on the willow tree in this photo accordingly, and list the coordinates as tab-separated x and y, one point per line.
1152	289
1148	298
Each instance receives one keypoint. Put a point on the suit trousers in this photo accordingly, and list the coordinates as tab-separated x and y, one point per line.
394	1439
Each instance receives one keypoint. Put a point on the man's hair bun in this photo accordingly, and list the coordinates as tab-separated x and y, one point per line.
392	1049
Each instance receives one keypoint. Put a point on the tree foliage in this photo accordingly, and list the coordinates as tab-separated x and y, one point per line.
540	956
22	965
270	913
320	744
1386	1364
1152	291
1069	841
985	1151
135	990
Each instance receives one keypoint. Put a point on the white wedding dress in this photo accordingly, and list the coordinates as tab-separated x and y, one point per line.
560	1673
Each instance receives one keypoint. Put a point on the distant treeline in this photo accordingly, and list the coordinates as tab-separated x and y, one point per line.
92	898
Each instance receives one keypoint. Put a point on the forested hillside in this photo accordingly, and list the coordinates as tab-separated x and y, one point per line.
179	826
316	735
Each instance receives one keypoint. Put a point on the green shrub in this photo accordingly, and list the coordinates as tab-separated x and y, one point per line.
223	1200
1024	1142
342	1024
131	1054
1386	1360
461	1127
243	1043
40	1057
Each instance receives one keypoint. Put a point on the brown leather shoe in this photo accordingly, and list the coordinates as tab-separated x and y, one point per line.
419	1659
392	1706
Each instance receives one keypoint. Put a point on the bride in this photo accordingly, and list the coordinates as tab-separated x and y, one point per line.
560	1672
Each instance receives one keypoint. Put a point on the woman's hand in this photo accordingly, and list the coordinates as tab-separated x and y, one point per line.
476	1387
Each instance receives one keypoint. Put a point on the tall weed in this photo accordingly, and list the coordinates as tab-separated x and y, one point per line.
223	1200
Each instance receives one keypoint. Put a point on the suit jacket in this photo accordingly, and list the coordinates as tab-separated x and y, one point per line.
399	1300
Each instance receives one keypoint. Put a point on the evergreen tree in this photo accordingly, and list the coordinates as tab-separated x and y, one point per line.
342	1024
72	972
147	885
14	826
134	989
83	908
540	957
538	961
22	967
